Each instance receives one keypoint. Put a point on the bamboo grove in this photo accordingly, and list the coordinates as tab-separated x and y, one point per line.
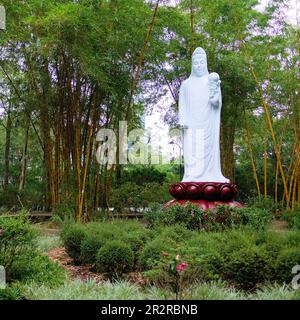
70	68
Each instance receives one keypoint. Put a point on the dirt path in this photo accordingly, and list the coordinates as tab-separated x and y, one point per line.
84	272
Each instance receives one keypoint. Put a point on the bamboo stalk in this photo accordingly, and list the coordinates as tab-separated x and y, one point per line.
265	164
271	129
251	156
141	59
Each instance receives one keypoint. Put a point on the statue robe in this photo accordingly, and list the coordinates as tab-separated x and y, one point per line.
201	139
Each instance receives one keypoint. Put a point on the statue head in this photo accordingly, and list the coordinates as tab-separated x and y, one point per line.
199	63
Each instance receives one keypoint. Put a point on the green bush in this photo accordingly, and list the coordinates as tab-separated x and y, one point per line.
175	232
115	258
16	246
190	216
143	175
220	218
264	203
255	217
20	256
286	260
13	199
90	246
72	236
133	195
42	270
248	267
152	253
293	218
244	257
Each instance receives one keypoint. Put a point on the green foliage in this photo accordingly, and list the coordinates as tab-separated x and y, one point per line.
190	216
152	253
247	267
143	175
14	199
115	258
218	219
48	242
130	195
10	293
42	270
293	218
20	256
84	290
16	246
72	236
90	246
255	217
123	290
63	213
243	257
286	260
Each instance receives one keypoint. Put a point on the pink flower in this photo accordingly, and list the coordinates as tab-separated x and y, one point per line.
177	257
182	266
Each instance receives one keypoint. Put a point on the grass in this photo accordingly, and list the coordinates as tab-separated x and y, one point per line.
78	290
48	242
123	290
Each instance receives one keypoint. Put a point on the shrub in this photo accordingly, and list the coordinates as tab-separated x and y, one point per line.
63	213
115	258
176	232
247	267
144	175
90	246
21	258
190	216
126	196
16	246
256	217
293	218
72	236
152	253
42	270
133	195
286	260
220	218
264	203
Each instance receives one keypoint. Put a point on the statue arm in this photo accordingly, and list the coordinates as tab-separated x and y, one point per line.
182	106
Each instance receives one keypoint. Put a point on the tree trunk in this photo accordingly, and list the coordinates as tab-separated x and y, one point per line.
227	152
24	160
7	149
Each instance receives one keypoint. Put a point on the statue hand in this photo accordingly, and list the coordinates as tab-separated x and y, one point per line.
214	100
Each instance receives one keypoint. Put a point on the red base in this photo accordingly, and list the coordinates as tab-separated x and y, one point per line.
210	191
204	204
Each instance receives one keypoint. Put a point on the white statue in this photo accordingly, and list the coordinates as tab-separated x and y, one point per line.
200	103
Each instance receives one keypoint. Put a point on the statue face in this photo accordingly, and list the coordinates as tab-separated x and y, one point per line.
199	65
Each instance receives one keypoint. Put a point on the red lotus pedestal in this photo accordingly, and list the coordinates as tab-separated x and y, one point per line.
206	195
